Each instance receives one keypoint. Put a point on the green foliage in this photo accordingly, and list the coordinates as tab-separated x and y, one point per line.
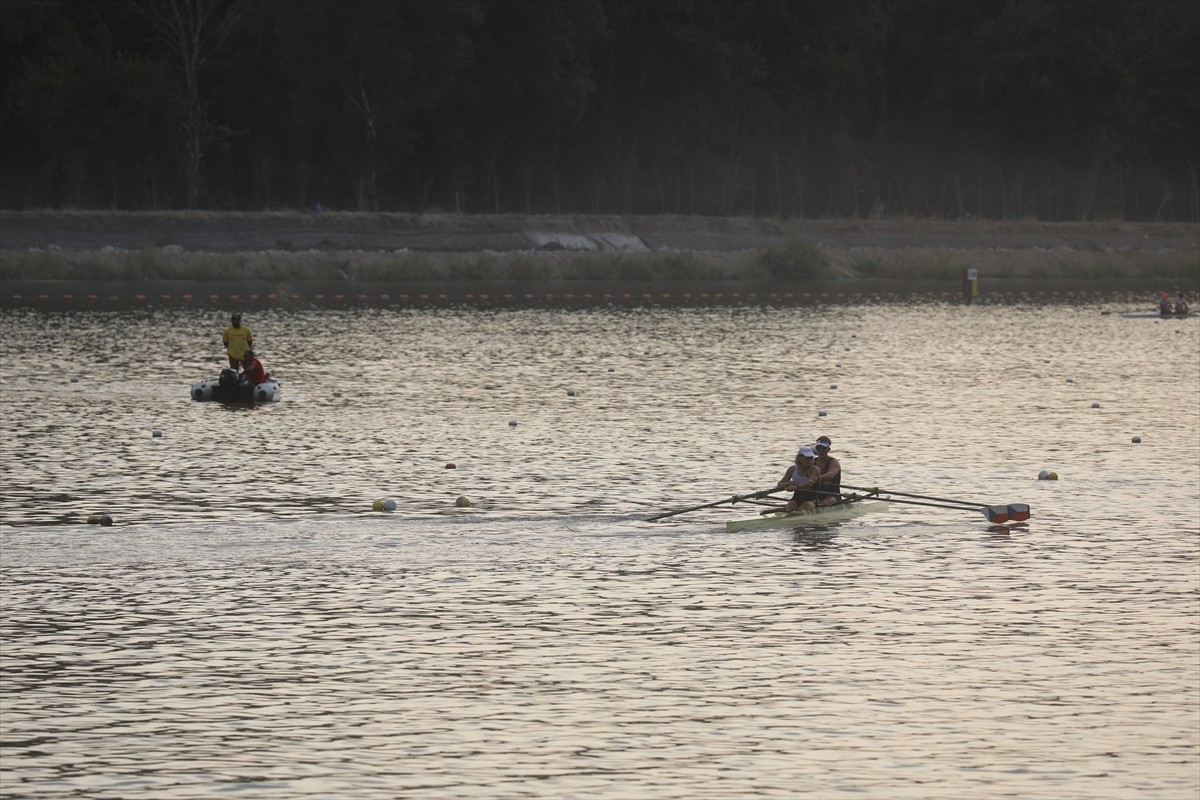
1104	270
1185	268
527	268
18	266
796	258
866	267
409	267
473	268
943	268
684	267
140	265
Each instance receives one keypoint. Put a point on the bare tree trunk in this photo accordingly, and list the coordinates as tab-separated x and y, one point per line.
190	29
1092	179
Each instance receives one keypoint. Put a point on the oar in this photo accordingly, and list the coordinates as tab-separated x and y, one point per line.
737	498
1014	512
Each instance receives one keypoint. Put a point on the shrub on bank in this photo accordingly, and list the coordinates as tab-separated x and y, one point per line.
796	258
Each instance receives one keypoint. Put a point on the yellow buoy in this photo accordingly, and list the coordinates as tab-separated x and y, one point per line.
377	505
93	519
463	501
1053	476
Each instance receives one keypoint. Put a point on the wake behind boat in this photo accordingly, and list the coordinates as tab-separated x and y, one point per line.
821	515
229	389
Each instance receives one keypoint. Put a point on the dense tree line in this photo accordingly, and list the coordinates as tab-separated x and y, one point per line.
1079	110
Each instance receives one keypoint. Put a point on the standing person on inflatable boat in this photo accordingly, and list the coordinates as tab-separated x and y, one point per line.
252	370
802	478
237	339
830	484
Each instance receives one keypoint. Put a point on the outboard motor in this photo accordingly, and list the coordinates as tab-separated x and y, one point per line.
229	378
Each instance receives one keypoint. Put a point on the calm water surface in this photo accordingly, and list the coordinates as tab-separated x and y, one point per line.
250	626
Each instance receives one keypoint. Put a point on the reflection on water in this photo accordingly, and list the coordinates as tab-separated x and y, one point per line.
250	625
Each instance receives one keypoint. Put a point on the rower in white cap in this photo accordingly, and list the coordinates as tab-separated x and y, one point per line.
802	479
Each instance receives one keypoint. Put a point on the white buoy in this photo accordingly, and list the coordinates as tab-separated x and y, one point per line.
1043	474
820	413
358	374
389	505
512	423
1095	405
570	392
833	386
610	369
74	379
157	434
837	363
1137	440
1070	380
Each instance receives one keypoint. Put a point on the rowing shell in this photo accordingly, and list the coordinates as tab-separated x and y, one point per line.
821	515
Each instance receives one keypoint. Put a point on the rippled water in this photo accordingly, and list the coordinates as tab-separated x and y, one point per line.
249	625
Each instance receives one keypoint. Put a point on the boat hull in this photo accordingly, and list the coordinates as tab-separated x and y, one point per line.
821	515
1154	315
238	393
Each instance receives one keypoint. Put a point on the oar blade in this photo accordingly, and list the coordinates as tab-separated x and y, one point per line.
1018	512
997	514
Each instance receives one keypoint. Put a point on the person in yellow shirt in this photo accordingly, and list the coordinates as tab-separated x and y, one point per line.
237	339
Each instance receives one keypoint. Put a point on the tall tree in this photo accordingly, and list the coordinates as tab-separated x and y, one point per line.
193	31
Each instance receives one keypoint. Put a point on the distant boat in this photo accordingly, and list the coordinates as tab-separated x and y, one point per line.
1155	315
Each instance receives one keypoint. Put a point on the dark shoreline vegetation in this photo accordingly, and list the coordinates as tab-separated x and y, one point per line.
866	109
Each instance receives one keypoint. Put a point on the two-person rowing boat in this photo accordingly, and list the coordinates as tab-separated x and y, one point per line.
815	481
850	506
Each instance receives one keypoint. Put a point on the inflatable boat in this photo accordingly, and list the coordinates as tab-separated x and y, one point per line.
229	389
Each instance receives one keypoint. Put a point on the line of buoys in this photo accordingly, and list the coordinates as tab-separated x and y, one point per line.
1047	475
103	520
384	505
